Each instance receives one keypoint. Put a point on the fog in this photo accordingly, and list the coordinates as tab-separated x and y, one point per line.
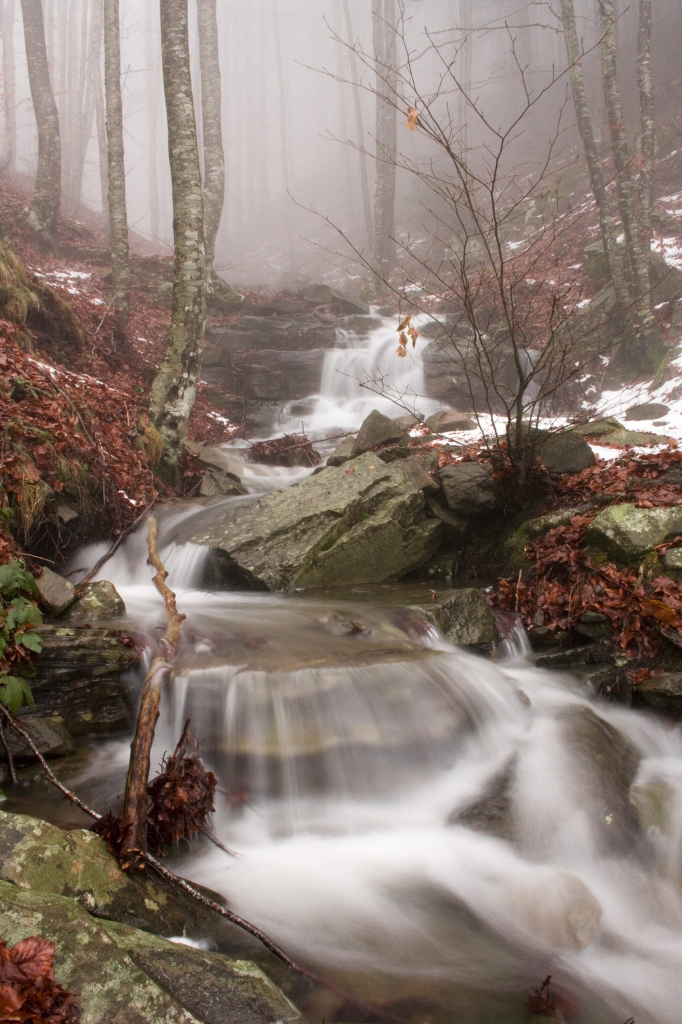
290	122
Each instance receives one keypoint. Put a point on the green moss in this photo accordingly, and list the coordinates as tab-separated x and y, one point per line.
596	555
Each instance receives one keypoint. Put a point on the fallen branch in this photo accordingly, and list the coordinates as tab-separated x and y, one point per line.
112	550
136	801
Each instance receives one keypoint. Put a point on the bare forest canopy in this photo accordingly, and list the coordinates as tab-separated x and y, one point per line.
294	126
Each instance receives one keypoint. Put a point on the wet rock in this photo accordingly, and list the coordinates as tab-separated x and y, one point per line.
98	601
125	976
342	453
493	813
598	428
463	616
673	558
77	678
556	908
79	864
606	763
469	487
49	735
568	658
449	419
593	625
622	438
456	526
565	452
653	802
406	422
215	483
55	594
647	411
536	528
663	692
360	524
376	430
627	532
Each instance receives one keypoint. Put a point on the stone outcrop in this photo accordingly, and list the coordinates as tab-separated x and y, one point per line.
469	488
565	452
362	522
77	678
463	616
626	532
55	594
449	419
98	602
376	430
48	734
664	693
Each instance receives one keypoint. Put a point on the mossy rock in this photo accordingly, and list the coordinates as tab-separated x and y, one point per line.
627	532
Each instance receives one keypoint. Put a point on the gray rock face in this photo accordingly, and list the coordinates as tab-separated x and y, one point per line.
342	453
647	411
376	430
469	487
598	428
627	532
98	601
664	693
449	419
48	734
566	452
463	616
362	523
77	678
55	593
673	558
493	813
622	438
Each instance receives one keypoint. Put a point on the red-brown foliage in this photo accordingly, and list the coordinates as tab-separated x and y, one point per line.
28	991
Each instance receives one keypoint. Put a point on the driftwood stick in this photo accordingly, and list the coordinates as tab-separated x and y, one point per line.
14	724
136	801
113	549
8	752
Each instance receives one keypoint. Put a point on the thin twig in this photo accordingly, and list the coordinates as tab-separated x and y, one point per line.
14	724
216	842
114	548
8	752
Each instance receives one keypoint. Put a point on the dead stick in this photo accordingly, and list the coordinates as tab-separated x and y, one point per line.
14	724
113	549
136	801
10	759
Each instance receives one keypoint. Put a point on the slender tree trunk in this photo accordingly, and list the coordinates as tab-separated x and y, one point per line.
211	110
359	129
118	217
637	259
648	139
9	161
43	210
594	167
100	120
383	24
466	69
284	153
152	113
174	388
92	44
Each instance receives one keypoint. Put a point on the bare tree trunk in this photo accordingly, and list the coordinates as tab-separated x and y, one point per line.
92	45
211	111
9	160
638	262
152	113
648	139
594	167
383	24
359	130
43	210
175	385
100	120
118	217
283	140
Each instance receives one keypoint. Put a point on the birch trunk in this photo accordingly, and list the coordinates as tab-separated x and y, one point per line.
211	110
648	140
174	388
43	210
383	24
594	167
637	259
118	218
9	160
359	129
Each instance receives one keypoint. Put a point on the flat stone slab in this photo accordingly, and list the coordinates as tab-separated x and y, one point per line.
627	532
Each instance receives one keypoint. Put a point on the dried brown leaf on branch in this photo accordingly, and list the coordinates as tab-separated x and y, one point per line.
412	118
28	991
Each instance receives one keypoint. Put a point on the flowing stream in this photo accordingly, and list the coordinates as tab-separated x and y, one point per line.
349	738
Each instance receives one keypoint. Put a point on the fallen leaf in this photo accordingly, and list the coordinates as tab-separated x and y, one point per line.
412	115
658	610
33	957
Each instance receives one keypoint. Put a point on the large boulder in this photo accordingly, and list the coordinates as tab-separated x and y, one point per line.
79	864
48	734
627	532
647	411
55	594
469	487
463	616
598	428
664	693
376	430
342	453
97	602
362	523
449	419
77	678
125	976
565	452
641	438
493	813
